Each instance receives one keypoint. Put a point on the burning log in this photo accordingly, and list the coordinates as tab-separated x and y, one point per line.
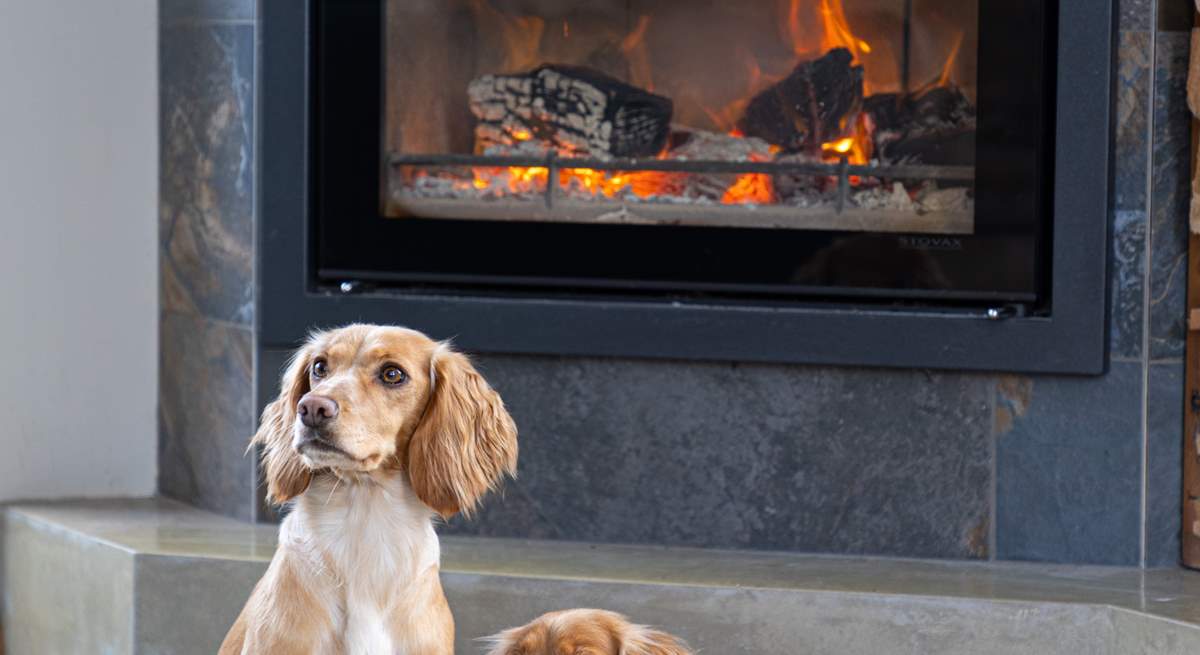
933	126
814	104
574	109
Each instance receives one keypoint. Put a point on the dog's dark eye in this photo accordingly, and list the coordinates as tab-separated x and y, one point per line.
393	375
319	369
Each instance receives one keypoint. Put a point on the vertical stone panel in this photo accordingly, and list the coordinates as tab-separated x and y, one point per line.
206	60
1170	195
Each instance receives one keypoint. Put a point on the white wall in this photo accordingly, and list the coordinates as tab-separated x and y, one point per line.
78	253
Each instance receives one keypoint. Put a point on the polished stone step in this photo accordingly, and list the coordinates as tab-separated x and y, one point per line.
157	576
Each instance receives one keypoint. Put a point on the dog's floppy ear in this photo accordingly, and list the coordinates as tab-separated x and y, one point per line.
530	638
640	640
465	442
287	477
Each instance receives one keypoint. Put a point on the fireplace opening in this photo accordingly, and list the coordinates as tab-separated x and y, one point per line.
885	182
854	115
873	151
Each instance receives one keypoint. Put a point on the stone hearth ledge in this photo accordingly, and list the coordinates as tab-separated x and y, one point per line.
154	575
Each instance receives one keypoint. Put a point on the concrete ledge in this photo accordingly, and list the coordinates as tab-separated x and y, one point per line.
156	576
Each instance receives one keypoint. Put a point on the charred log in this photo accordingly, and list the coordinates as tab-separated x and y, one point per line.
574	109
814	104
934	126
954	147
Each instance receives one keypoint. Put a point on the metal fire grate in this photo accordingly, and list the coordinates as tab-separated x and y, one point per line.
553	164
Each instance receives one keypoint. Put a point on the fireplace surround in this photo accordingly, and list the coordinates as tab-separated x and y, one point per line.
1018	285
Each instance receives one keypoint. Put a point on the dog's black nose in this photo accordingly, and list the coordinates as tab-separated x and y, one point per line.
316	411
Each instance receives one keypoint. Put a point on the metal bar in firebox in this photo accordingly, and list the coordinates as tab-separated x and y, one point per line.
903	172
843	189
551	178
906	48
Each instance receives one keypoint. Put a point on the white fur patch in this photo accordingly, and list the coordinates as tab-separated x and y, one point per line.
366	539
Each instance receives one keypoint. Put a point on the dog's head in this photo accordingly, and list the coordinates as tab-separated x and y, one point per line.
367	398
585	632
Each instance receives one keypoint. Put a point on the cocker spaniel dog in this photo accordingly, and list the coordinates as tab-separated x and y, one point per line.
376	431
585	632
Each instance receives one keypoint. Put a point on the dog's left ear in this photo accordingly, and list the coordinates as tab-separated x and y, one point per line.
466	441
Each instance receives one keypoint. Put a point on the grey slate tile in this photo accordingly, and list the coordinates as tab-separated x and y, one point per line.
1068	467
1164	474
719	455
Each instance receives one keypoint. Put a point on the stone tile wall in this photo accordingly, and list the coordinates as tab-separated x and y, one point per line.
820	459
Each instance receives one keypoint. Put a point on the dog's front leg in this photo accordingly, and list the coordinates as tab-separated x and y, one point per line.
421	621
291	610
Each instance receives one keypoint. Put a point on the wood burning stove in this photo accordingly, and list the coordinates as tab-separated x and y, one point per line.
897	182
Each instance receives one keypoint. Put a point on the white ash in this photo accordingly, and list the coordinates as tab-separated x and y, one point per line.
798	189
895	198
954	199
703	145
531	148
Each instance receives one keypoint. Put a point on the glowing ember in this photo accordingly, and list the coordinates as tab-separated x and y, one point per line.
518	180
856	148
750	188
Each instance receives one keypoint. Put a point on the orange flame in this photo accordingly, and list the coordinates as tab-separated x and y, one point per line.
837	32
840	147
727	117
633	46
522	35
948	67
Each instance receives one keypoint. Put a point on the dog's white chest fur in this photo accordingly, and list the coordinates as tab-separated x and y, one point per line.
366	540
